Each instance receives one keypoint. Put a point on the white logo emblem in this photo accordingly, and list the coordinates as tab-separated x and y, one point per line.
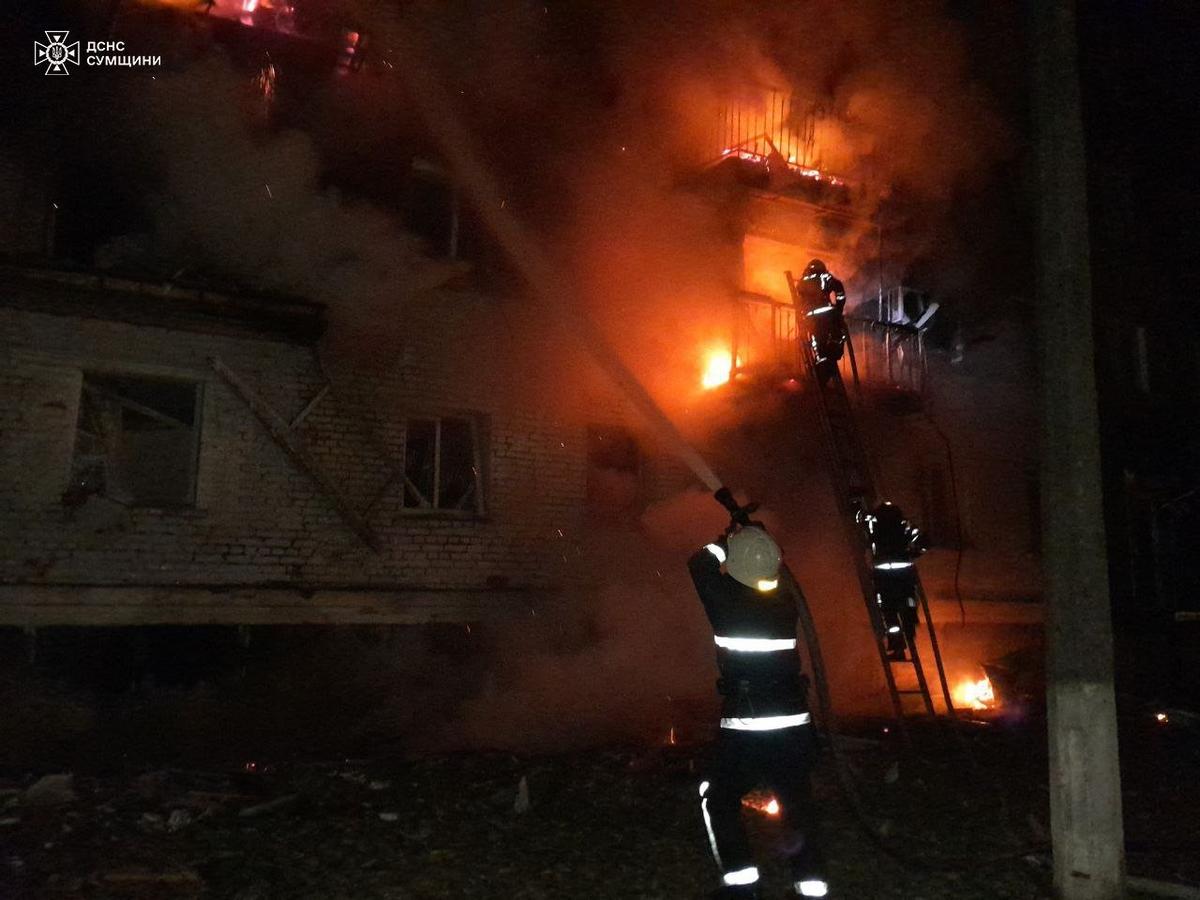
57	53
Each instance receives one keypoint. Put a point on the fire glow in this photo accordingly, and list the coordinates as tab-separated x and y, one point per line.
761	803
977	695
718	365
805	171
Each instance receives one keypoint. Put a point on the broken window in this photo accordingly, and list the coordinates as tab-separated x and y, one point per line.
442	468
614	470
136	441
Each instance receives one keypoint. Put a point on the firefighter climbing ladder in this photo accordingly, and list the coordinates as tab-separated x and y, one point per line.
853	483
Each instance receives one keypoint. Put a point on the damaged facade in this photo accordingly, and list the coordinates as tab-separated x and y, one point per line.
178	456
948	417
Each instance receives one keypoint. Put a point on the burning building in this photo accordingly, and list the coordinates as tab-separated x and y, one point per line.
184	453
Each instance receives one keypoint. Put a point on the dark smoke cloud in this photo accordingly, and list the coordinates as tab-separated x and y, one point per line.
240	203
595	110
589	113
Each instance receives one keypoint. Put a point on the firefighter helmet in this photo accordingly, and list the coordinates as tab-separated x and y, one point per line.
753	558
814	268
888	513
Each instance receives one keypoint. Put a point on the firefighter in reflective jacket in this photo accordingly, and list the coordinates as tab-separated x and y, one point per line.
766	738
820	300
894	545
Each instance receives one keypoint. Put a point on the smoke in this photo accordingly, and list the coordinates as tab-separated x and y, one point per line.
591	113
598	111
627	664
238	203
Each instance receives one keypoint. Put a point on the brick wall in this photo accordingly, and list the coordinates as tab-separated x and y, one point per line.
258	518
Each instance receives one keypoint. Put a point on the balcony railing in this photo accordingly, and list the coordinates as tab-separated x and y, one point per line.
766	345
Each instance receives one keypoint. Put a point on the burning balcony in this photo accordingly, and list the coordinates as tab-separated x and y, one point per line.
886	347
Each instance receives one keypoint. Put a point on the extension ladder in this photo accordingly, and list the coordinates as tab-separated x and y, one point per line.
853	484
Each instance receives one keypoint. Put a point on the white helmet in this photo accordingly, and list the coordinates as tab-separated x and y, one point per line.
753	559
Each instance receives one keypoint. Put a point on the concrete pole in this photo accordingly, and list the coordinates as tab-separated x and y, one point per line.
1085	780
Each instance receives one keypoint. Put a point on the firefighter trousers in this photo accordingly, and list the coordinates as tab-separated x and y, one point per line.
779	761
896	595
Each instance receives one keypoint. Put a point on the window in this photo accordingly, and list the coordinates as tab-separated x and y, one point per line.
136	441
442	469
614	469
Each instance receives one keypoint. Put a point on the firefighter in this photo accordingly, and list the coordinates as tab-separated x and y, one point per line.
894	545
820	299
766	737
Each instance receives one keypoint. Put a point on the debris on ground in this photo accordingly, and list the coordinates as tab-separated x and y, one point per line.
607	823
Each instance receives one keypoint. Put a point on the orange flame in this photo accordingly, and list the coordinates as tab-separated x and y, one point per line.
761	803
975	694
717	365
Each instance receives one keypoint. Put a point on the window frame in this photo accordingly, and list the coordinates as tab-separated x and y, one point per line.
476	424
192	492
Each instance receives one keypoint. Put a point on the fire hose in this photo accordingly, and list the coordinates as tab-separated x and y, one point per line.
740	516
547	289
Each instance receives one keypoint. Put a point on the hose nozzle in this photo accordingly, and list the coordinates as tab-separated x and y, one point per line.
739	514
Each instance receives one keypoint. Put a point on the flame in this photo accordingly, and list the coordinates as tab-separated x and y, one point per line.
761	803
717	363
975	694
805	171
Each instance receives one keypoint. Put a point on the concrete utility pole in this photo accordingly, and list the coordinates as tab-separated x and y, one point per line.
1085	780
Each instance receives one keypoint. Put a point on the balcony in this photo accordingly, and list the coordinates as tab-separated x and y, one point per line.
886	354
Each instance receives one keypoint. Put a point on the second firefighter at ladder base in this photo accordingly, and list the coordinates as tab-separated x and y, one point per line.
894	544
766	736
820	299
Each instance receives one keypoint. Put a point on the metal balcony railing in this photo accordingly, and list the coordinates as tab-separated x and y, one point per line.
766	345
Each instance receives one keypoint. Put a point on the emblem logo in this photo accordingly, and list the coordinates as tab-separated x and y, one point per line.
57	53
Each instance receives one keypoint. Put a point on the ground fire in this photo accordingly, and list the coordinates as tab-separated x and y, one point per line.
975	694
389	400
761	802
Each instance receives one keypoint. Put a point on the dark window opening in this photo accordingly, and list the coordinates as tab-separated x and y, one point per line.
433	210
614	470
136	441
442	465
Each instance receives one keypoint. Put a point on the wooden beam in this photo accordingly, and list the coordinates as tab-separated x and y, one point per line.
309	407
46	605
294	447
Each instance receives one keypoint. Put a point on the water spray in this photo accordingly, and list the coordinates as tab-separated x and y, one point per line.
547	285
